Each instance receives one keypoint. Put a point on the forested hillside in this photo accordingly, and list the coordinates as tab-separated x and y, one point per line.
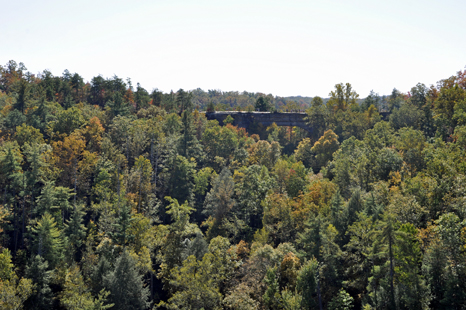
114	197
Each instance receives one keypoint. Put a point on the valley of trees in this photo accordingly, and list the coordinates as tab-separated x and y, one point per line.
114	197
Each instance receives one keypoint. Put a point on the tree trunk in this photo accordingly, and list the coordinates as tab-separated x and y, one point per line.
75	181
318	289
118	187
392	273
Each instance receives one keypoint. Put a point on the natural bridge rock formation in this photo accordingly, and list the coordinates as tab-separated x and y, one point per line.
245	119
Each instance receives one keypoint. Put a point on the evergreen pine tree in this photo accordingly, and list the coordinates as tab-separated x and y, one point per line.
48	241
41	277
355	205
121	235
102	268
21	96
126	285
75	231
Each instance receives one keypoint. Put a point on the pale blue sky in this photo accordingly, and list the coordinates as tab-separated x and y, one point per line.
281	47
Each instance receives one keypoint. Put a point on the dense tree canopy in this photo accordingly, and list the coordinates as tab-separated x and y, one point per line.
114	197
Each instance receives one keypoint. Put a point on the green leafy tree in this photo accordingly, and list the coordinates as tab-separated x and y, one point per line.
36	169
264	153
67	121
253	188
121	234
384	247
296	179
262	104
272	297
13	182
156	97
126	285
442	265
307	284
141	97
6	266
342	97
411	143
338	215
143	169
196	289
394	100
317	118
189	145
180	179
41	278
219	202
220	143
22	95
355	205
170	238
99	271
28	134
445	104
75	231
199	282
14	292
48	241
373	99
117	106
350	166
210	106
42	115
76	295
324	149
278	218
407	115
97	91
172	124
342	301
413	292
319	241
359	262
304	152
54	200
383	159
197	247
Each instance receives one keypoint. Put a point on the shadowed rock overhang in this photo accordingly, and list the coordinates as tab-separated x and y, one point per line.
245	119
